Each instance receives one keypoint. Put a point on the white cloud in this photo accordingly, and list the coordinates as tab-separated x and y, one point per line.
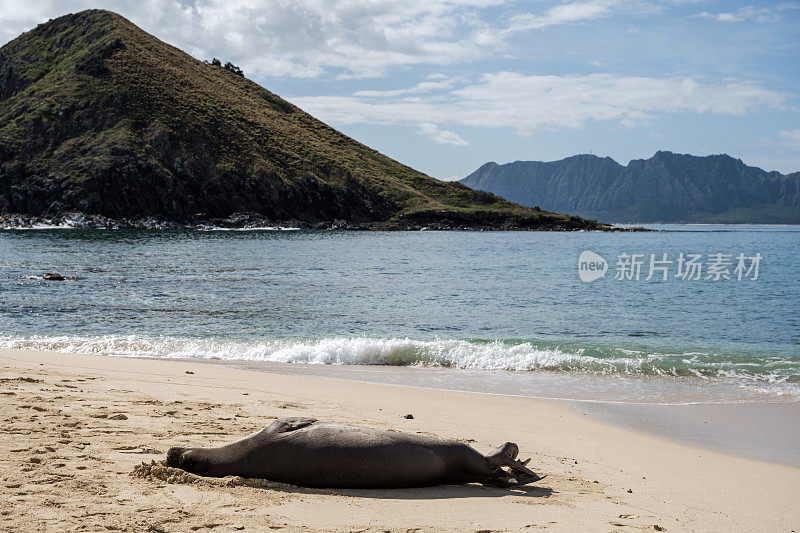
440	136
561	14
313	38
790	138
421	87
297	38
751	13
534	103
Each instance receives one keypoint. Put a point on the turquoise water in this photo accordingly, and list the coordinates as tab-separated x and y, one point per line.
485	302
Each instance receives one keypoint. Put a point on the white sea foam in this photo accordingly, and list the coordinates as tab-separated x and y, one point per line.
36	226
453	353
337	350
457	353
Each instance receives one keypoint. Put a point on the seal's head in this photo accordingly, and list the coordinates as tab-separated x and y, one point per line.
174	456
187	459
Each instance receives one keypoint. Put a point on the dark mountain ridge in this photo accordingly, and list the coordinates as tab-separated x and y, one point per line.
668	187
102	121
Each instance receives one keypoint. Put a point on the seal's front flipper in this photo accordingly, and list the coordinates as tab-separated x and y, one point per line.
285	425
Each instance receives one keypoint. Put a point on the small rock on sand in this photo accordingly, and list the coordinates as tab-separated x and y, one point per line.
409	416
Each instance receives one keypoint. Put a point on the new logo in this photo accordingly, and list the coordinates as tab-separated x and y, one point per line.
591	266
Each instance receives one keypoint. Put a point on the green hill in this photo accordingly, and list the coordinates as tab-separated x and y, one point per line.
99	117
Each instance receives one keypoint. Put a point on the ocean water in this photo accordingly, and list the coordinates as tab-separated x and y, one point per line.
488	311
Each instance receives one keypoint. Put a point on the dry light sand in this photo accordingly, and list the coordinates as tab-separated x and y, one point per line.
75	428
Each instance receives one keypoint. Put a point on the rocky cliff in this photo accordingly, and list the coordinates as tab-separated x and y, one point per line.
668	187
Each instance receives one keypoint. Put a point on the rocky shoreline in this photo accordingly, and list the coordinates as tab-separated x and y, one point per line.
253	221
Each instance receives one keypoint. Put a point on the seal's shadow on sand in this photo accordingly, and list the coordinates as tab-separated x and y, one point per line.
439	492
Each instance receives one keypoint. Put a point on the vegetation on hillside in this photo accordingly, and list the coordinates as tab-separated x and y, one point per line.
98	116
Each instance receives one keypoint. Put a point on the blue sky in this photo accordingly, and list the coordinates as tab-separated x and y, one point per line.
445	86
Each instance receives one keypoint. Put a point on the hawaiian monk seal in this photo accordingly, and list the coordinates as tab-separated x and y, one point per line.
303	451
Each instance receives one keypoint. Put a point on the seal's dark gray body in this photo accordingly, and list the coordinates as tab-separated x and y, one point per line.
303	451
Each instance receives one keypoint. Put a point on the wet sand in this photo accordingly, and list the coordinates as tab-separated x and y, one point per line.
770	432
653	405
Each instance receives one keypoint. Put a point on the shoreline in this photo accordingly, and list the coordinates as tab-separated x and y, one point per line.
713	417
761	430
64	411
256	222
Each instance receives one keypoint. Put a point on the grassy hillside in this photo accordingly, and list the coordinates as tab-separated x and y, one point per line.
98	116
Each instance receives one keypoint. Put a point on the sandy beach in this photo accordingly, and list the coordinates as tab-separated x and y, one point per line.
75	427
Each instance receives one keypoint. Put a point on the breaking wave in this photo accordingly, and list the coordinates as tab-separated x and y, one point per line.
777	374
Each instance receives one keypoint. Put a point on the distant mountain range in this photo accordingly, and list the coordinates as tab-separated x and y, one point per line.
99	119
668	187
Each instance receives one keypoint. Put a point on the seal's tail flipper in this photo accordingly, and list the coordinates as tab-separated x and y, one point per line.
506	455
